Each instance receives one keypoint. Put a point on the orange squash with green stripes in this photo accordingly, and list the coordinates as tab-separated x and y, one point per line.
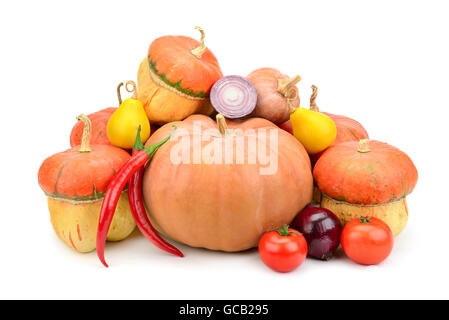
366	178
175	79
74	182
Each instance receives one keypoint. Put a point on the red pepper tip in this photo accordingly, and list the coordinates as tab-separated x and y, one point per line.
100	255
105	264
179	254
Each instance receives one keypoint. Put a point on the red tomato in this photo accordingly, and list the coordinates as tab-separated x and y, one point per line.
283	249
367	240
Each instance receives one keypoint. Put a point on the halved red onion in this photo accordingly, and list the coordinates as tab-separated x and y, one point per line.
233	96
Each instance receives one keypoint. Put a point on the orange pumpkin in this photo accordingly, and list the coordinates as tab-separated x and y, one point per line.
99	121
366	178
348	129
175	79
225	206
75	182
277	94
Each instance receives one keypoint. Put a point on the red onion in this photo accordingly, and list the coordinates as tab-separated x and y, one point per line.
233	96
322	230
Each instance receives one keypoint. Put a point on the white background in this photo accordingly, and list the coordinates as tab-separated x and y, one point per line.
384	63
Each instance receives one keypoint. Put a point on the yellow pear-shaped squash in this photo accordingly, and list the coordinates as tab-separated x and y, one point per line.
315	130
125	121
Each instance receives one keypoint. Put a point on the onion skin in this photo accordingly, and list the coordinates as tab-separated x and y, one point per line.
322	231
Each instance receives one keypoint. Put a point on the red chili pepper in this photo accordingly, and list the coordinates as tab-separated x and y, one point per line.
138	209
115	189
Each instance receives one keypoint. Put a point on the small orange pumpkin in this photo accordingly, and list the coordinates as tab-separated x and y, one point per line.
277	94
224	206
75	182
366	178
99	121
175	79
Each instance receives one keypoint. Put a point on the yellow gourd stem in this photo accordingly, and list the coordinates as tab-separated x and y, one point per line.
364	146
313	106
119	95
85	141
199	51
286	87
133	90
221	122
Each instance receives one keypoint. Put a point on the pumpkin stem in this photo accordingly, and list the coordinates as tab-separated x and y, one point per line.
313	106
85	141
133	89
364	146
199	51
221	122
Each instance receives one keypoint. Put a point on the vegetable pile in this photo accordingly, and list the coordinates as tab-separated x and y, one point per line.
234	161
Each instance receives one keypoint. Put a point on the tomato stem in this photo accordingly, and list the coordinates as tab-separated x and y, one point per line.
284	231
366	219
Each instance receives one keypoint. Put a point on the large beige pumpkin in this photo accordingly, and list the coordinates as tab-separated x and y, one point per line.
225	206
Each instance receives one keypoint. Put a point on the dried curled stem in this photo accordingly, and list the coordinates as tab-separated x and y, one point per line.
313	106
133	89
199	51
286	84
87	132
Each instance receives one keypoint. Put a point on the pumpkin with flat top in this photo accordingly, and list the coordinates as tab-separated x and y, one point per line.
366	178
75	182
175	79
